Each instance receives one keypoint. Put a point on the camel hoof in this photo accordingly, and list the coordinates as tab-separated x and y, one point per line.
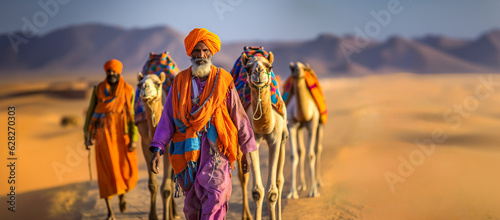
313	194
302	187
293	195
111	218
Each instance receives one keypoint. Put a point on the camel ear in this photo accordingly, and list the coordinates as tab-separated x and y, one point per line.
162	77
271	57
292	66
307	65
244	59
140	76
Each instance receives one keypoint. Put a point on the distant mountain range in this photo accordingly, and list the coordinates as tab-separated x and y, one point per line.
84	48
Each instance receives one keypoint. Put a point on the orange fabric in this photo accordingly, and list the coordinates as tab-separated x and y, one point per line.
201	34
214	107
114	65
317	93
117	169
315	89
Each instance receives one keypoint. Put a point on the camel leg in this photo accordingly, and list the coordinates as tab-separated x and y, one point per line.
246	215
258	188
312	127
273	142
293	128
152	182
319	150
302	156
167	190
111	214
281	177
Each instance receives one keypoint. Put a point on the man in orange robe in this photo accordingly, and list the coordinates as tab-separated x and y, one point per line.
110	122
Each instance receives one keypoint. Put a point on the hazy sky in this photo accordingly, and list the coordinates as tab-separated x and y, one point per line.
235	20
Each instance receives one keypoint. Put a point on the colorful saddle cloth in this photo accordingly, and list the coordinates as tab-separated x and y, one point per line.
241	82
315	89
156	64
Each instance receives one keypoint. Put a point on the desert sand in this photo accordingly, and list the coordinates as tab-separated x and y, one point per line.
389	152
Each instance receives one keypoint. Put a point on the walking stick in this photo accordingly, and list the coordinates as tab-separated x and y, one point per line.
90	164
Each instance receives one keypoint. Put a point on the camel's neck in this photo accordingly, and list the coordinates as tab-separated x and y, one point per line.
153	109
263	121
305	102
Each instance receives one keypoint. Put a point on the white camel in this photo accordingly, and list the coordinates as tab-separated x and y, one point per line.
270	125
304	115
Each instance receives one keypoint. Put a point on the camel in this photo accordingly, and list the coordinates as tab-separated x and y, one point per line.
303	113
151	94
270	125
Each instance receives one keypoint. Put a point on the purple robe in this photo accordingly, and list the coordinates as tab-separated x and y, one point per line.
209	195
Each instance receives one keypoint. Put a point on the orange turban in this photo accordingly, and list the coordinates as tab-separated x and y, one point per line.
114	65
201	34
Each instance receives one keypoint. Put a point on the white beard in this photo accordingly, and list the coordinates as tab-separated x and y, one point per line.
201	70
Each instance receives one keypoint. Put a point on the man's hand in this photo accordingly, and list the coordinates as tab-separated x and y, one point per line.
246	161
88	143
155	161
131	146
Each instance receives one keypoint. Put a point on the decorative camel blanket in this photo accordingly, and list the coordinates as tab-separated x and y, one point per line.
315	89
241	82
156	64
162	62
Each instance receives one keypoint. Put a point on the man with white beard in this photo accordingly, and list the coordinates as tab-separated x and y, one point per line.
204	121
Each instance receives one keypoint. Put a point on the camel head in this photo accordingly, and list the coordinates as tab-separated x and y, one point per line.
258	69
298	69
151	86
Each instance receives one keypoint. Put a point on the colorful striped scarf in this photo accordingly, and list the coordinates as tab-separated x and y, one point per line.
315	89
241	82
211	116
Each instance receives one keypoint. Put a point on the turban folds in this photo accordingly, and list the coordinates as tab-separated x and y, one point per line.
114	65
201	34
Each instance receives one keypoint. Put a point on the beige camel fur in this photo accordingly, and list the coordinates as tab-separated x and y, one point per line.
269	125
151	93
304	115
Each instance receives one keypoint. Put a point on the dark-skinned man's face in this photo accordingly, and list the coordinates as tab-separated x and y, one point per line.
112	76
200	51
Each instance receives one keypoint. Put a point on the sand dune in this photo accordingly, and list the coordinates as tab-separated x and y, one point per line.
373	167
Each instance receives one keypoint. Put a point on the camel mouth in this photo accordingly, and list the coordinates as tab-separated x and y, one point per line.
259	84
147	96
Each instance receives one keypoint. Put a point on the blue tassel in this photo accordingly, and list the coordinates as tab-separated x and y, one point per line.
177	187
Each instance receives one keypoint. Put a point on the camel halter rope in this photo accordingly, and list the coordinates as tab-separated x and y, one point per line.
259	100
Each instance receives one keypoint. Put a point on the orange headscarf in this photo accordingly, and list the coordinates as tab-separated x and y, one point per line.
114	65
201	34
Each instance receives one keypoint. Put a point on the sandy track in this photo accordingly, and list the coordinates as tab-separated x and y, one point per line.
373	128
